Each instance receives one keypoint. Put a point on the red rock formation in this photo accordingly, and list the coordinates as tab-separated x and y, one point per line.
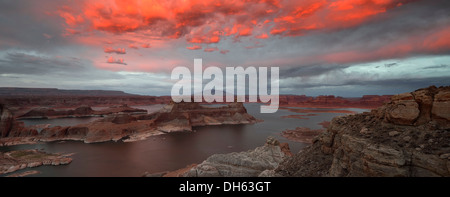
127	127
6	121
9	127
301	134
419	107
440	110
74	101
405	137
367	101
21	159
123	119
82	111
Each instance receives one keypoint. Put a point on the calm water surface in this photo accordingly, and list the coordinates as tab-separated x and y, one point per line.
170	151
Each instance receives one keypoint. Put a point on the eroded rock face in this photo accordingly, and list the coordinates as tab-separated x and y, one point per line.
124	124
244	164
179	117
83	111
9	127
419	107
441	106
404	110
424	99
407	137
403	113
123	119
6	121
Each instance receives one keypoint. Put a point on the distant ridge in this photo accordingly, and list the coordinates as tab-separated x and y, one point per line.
12	91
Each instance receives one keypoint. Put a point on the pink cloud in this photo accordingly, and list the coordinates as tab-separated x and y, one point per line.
146	45
195	47
112	50
211	49
132	46
262	36
207	22
47	36
111	60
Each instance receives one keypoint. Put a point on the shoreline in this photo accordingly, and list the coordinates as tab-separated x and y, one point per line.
21	159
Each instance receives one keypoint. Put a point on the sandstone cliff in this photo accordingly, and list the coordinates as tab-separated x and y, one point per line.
183	116
409	136
9	127
82	111
125	126
367	101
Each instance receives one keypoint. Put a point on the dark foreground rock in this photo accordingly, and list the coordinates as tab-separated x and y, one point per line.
301	134
410	136
407	137
21	159
23	174
244	164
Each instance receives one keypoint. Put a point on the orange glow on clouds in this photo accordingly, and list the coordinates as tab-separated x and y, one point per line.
118	25
206	22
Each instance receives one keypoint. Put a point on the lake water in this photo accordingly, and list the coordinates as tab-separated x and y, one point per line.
170	151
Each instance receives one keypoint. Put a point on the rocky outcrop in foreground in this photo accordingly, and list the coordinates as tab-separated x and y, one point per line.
301	134
21	159
175	117
244	164
410	136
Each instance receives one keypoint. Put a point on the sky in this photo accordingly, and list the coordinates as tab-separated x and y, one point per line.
322	47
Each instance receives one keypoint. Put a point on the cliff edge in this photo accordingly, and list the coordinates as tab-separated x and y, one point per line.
409	136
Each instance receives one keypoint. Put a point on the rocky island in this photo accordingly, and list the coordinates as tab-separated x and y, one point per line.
21	159
82	111
174	117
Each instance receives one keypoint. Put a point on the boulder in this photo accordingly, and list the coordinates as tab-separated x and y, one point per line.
404	112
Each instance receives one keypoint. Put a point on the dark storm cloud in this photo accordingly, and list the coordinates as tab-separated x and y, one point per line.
309	70
437	66
24	27
21	63
307	55
33	44
415	83
390	65
30	65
